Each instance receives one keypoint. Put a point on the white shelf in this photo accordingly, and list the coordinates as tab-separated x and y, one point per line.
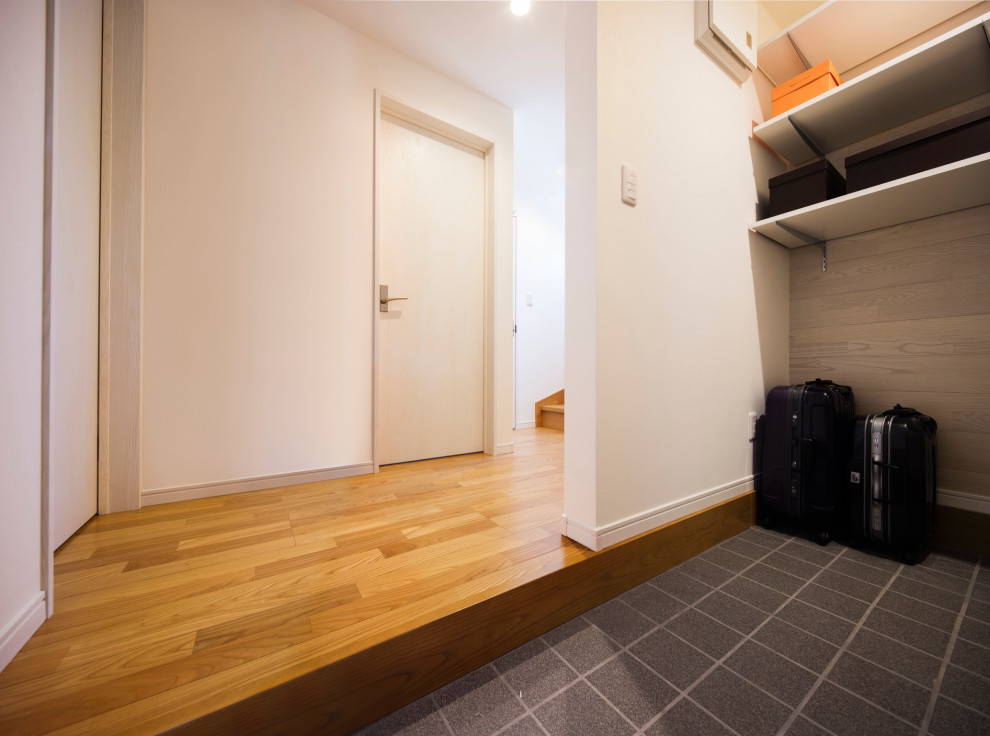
948	188
947	70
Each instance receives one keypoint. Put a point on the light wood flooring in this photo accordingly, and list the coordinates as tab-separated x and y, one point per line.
314	608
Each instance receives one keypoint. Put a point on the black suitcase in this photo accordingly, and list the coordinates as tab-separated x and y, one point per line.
804	452
892	481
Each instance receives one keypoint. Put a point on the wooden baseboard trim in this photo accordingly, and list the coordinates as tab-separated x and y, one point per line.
260	483
962	529
346	695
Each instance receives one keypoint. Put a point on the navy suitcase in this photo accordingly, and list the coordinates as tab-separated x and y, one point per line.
892	481
802	455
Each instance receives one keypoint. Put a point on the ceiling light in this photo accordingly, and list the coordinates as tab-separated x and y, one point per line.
519	7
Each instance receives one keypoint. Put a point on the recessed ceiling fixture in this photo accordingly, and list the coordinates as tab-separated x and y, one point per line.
519	7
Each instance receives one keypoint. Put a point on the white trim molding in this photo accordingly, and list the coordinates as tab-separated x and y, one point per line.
963	500
15	633
157	496
505	448
619	531
526	425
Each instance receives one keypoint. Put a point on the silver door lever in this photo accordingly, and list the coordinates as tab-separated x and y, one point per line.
384	298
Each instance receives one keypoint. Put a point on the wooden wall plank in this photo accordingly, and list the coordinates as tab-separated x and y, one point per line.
903	316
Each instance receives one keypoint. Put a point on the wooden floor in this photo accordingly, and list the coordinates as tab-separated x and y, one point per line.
314	608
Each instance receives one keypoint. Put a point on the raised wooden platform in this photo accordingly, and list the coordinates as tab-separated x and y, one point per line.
319	608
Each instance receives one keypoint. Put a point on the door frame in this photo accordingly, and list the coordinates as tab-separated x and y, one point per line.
389	105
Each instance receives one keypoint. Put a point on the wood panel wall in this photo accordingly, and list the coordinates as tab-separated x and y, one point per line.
903	316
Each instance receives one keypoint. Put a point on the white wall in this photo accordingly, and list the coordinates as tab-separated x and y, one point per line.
679	287
22	131
258	293
539	208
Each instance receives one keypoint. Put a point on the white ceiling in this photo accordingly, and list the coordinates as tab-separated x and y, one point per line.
518	61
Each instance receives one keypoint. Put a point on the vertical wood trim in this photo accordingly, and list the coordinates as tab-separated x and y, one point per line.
375	271
47	553
121	245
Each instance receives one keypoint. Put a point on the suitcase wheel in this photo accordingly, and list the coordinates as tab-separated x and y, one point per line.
855	541
823	537
910	556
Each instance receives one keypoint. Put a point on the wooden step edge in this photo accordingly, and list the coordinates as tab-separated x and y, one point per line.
557	408
347	695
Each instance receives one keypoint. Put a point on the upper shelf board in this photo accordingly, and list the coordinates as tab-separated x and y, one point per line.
956	186
947	70
851	33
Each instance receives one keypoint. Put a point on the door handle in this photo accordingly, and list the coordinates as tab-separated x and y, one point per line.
384	298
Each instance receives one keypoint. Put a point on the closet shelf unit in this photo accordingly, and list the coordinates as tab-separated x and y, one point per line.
945	71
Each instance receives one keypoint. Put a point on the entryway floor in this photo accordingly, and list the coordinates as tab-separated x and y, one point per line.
766	633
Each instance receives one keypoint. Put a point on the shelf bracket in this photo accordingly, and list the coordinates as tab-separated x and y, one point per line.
823	244
806	138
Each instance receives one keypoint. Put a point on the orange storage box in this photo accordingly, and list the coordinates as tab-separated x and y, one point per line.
817	80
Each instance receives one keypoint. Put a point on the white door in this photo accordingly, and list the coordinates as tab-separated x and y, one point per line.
432	253
75	265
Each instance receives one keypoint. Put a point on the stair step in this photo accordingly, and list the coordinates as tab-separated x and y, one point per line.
558	408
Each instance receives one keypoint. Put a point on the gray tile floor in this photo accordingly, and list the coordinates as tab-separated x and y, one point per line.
768	633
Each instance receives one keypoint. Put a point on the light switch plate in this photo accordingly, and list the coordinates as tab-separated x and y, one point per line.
629	185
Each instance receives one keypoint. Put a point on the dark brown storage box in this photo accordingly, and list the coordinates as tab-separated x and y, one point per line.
930	148
807	185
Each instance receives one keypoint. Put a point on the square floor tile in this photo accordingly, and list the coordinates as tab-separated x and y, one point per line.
852	587
978	610
916	610
782	560
673	659
922	574
525	727
687	719
632	688
952	719
905	660
930	594
705	571
797	645
622	623
844	714
726	558
419	718
681	586
763	537
866	573
918	635
884	689
704	632
580	644
746	549
951	562
964	687
816	621
878	557
772	673
774	579
804	727
738	704
653	603
981	592
534	672
971	657
579	711
732	612
754	593
478	703
813	553
975	631
836	603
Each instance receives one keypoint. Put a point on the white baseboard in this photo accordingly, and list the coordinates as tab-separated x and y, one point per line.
963	500
619	531
15	633
260	483
505	448
526	425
